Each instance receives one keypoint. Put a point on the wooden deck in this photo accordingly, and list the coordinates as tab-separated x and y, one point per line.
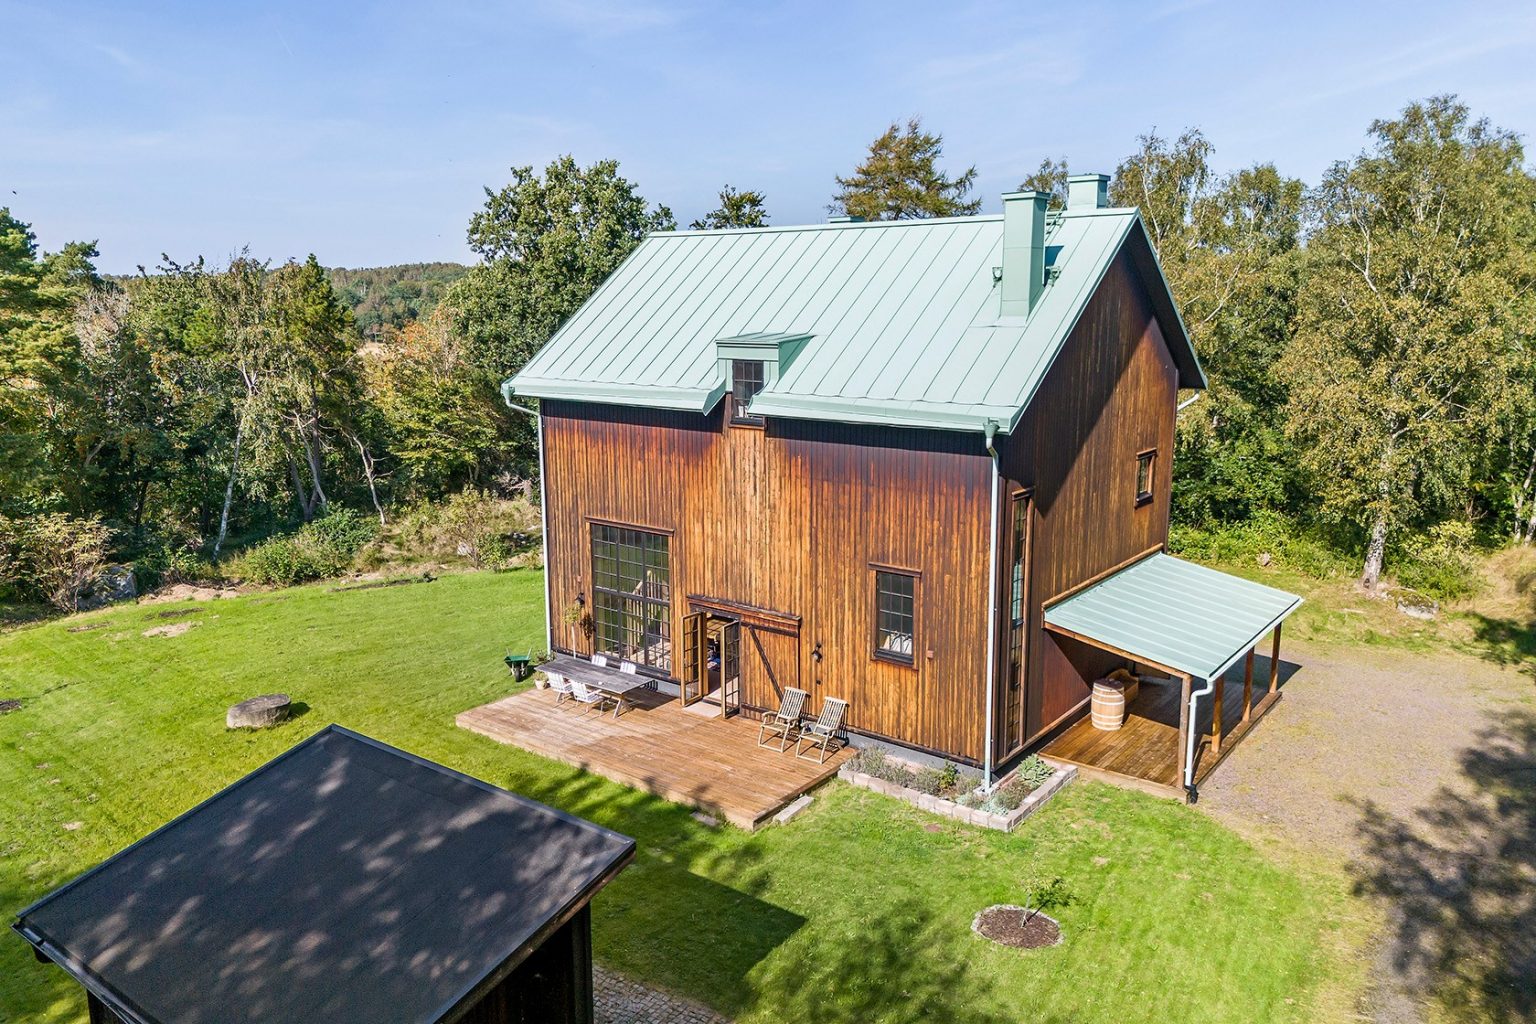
658	746
1144	752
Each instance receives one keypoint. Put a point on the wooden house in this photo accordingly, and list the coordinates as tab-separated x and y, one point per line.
873	460
345	880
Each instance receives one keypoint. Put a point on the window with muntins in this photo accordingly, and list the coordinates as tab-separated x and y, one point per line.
895	617
746	382
1145	463
632	596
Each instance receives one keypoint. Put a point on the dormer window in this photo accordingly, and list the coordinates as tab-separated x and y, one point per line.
746	381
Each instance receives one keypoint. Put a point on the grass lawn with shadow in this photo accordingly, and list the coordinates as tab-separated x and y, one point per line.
854	912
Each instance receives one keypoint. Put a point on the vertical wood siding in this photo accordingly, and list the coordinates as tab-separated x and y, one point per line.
1111	394
789	519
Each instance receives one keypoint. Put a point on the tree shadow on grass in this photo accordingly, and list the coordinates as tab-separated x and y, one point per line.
1460	879
1507	642
890	966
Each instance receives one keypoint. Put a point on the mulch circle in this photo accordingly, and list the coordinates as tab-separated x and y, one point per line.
1005	924
9	704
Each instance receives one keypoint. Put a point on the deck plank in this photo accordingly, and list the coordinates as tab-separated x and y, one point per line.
658	746
1145	748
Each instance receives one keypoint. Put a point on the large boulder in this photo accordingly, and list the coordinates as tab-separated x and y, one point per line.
115	583
259	712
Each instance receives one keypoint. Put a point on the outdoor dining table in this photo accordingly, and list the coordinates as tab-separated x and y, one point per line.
609	680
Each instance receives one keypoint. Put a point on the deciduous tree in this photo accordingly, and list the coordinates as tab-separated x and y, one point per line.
736	210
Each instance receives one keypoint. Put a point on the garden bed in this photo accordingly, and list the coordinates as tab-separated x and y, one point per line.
954	792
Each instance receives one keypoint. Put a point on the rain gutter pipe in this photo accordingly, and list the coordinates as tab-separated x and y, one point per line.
986	776
549	619
1189	752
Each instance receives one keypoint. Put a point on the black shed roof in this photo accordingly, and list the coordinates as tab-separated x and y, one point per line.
346	880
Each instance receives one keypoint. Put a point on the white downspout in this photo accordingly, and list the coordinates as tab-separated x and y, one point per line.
1189	752
549	619
986	774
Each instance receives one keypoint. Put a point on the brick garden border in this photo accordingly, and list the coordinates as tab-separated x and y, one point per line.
1064	774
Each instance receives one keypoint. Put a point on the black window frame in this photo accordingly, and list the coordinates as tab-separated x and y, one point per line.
888	620
1146	462
748	378
632	595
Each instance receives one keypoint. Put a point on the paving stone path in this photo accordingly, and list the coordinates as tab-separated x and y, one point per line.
622	1001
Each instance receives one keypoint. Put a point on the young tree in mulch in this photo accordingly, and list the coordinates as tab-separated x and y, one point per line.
1027	926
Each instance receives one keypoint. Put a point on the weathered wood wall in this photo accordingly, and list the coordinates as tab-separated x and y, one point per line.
789	518
1111	394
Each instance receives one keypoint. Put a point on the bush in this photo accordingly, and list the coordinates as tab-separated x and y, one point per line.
949	782
53	556
172	563
486	531
1268	533
320	550
1030	775
1442	563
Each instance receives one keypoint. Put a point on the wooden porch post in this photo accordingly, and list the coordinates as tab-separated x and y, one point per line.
1184	726
1248	685
1274	661
1220	688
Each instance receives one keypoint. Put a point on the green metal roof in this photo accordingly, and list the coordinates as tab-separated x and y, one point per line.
1176	614
901	316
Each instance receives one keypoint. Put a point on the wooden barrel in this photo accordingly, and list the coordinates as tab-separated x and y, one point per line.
1108	706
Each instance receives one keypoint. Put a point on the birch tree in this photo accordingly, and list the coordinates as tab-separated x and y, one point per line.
1405	320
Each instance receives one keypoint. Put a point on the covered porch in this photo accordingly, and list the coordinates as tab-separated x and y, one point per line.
1193	636
684	754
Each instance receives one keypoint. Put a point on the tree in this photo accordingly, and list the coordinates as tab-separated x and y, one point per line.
900	179
1228	246
736	210
1051	178
1414	281
547	242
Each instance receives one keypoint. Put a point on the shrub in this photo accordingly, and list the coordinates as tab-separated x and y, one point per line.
54	556
321	549
484	530
172	563
1442	563
1268	533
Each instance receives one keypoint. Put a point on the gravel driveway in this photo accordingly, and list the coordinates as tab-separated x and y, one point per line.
1417	772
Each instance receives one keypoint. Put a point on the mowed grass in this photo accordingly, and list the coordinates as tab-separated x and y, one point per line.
854	912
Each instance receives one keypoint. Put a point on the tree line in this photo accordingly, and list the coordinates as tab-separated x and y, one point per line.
1368	342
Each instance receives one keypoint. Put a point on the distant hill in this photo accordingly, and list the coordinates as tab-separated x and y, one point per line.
381	297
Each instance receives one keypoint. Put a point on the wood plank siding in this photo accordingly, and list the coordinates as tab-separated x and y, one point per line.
1111	395
791	519
785	525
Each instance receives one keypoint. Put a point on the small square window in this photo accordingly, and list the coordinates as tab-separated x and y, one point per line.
1146	464
746	382
895	615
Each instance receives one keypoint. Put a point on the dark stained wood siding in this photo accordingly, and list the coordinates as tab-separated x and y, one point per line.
1111	394
789	519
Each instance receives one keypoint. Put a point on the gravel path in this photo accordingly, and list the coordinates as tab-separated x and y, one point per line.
1418	773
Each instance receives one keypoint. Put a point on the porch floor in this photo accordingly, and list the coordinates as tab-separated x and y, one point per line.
657	745
1143	753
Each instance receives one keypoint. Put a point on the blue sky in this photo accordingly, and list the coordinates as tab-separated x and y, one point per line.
364	131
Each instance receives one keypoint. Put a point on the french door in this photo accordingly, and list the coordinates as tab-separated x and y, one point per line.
730	669
694	677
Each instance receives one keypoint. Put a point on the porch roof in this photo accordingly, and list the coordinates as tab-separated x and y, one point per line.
1175	614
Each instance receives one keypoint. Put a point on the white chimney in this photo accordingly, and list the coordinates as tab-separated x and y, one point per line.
1023	275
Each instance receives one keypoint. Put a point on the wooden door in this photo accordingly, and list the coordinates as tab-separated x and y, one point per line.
695	671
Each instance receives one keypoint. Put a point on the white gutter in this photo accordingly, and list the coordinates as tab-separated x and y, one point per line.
986	771
549	619
1191	400
1189	753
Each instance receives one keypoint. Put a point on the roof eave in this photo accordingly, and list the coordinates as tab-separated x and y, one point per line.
699	400
961	418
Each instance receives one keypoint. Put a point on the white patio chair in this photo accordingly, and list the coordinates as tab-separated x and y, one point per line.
600	660
560	684
627	667
585	695
823	732
782	722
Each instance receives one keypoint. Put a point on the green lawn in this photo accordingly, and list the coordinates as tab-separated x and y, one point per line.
852	913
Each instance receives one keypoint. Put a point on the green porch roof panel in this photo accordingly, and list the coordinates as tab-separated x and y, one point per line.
892	322
1175	614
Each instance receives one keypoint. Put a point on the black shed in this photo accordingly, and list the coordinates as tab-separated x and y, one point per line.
345	880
